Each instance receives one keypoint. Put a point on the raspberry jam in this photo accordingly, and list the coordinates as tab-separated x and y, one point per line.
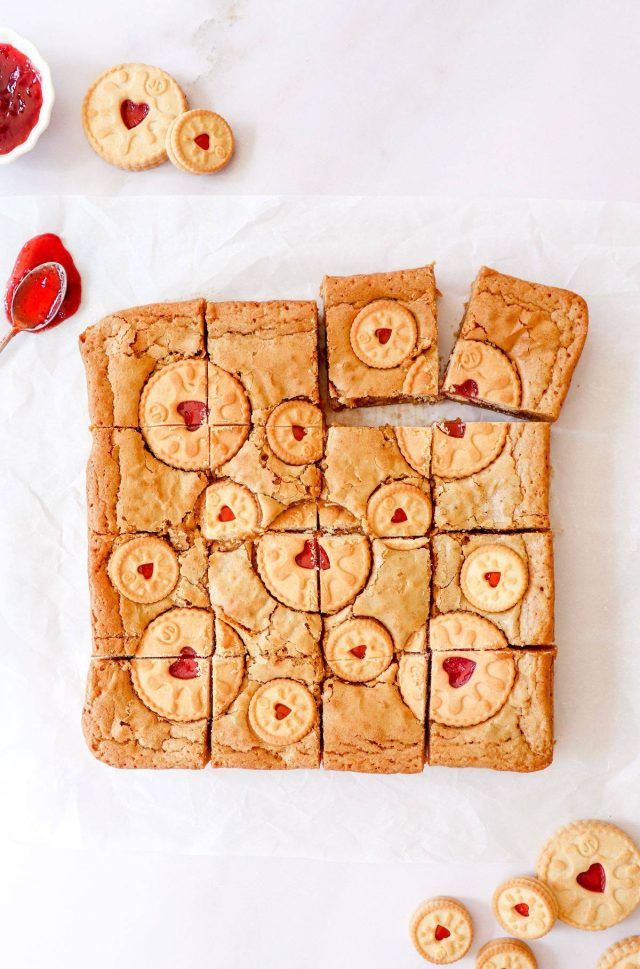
202	141
359	651
185	668
282	711
453	428
594	879
312	556
146	570
399	516
39	297
493	578
522	909
468	389
39	250
459	669
193	413
20	98
226	514
133	114
441	933
384	335
298	432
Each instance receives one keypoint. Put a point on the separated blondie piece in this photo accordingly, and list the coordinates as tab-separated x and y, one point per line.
490	476
265	710
506	578
381	337
129	490
149	712
492	709
374	722
271	348
268	598
518	346
122	351
380	475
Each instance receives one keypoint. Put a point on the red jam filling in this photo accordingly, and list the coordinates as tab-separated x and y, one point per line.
493	578
193	413
146	570
298	432
459	669
399	516
323	558
306	559
282	711
202	141
454	428
35	252
185	668
226	514
359	651
594	879
384	335
442	933
36	299
20	98
468	389
133	114
522	909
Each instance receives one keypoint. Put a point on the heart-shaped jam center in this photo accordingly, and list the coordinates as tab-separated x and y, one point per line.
399	516
468	389
146	570
454	428
298	432
282	711
202	141
594	879
312	556
522	909
359	651
185	668
383	334
493	578
226	514
133	114
459	669
323	558
193	413
441	933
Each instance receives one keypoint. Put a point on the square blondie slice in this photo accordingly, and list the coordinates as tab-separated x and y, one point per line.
492	709
124	350
380	475
271	348
505	578
130	490
375	726
266	711
382	340
518	346
490	476
150	713
269	601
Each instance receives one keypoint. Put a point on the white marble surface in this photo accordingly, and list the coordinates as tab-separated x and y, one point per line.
478	98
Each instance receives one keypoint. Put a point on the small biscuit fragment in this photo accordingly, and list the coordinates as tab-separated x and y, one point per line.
525	907
500	953
442	931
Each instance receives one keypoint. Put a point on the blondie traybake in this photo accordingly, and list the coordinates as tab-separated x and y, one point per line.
270	593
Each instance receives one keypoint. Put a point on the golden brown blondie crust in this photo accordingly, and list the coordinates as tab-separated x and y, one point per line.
518	346
409	297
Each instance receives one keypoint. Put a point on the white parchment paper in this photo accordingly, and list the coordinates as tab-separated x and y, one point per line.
133	251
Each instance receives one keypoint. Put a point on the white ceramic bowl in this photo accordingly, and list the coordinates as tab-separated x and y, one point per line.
8	36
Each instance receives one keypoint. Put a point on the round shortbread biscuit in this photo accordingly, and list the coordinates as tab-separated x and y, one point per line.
287	566
525	907
415	447
399	510
144	569
282	712
359	649
230	512
199	142
176	394
421	379
465	449
442	931
468	688
227	676
593	869
464	630
494	578
479	370
506	954
126	113
175	689
383	334
622	955
412	682
344	562
227	399
295	432
175	630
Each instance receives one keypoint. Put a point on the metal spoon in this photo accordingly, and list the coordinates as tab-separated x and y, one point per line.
24	324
